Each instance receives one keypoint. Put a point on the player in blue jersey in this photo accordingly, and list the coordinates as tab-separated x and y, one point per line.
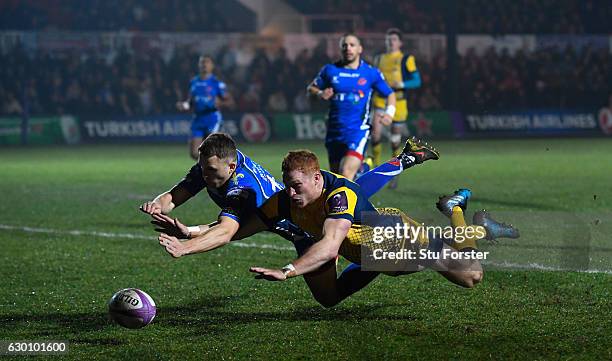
239	187
347	85
206	95
233	181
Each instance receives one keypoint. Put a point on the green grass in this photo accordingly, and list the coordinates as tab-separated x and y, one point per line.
55	285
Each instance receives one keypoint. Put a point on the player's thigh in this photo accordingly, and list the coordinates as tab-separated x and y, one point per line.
350	165
322	284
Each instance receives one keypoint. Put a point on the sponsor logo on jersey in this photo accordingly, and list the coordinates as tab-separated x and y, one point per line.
338	203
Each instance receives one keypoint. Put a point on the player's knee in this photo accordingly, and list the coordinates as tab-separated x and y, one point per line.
396	140
472	279
326	301
477	277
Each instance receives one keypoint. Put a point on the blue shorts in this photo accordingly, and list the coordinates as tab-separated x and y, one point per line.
353	144
203	125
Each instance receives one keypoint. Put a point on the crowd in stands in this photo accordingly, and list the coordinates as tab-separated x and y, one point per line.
413	16
128	15
138	84
549	78
535	16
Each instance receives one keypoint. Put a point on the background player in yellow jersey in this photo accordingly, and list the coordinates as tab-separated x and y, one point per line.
333	209
401	73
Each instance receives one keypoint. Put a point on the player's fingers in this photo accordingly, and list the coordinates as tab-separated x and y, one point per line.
163	217
158	216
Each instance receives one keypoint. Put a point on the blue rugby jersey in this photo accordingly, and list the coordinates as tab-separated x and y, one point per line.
350	105
248	188
204	92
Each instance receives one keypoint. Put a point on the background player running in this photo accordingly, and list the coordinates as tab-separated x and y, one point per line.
401	74
348	85
206	95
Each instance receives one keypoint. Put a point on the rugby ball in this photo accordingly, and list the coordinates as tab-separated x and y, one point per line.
132	308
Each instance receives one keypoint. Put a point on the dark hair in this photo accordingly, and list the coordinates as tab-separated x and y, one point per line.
394	31
207	56
218	144
350	34
302	160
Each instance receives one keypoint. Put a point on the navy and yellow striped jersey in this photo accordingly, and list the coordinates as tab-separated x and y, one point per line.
341	198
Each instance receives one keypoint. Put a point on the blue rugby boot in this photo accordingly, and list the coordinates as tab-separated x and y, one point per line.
446	203
494	228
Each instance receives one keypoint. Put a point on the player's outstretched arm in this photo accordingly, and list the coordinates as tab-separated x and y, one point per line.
334	232
167	201
216	236
174	227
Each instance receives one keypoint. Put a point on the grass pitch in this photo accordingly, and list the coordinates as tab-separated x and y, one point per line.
71	236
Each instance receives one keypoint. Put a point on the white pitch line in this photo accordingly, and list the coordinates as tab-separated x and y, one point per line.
127	235
540	267
508	265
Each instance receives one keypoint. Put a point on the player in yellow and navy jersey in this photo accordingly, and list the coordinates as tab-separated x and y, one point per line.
401	73
238	185
333	209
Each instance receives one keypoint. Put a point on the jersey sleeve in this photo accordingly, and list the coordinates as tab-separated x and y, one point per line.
193	181
379	84
239	202
410	73
341	203
410	64
321	80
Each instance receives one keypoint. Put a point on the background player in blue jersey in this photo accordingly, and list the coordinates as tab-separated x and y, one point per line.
348	85
206	95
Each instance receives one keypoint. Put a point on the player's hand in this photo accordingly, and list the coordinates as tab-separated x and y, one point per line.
268	274
151	208
386	119
327	94
182	106
397	85
172	245
169	225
